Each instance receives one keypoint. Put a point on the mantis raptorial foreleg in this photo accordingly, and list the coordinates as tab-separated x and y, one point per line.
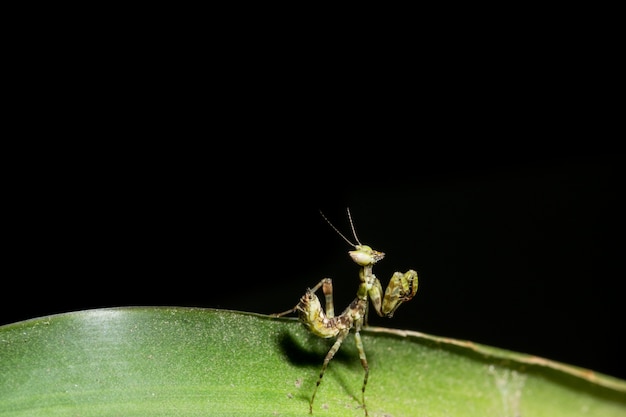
401	288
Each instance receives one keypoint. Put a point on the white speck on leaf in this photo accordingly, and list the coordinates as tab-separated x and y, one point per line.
510	384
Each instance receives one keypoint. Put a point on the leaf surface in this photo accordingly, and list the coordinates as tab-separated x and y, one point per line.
162	361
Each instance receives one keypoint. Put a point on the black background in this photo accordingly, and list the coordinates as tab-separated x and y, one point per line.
184	166
522	251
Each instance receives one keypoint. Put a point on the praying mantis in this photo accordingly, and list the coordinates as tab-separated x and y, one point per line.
401	288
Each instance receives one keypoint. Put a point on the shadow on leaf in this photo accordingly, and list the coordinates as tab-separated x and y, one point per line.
310	353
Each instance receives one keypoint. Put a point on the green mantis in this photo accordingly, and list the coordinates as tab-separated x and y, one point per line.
401	288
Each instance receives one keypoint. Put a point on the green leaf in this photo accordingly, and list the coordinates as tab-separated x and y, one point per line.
204	362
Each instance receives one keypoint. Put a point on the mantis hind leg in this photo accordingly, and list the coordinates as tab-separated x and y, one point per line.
331	353
327	289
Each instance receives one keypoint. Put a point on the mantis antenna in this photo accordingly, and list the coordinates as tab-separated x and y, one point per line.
341	234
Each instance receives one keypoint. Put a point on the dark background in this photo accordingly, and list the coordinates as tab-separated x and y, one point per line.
185	166
522	251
